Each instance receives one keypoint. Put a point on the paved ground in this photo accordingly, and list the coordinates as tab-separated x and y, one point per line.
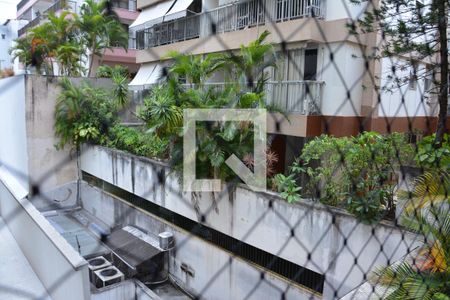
17	278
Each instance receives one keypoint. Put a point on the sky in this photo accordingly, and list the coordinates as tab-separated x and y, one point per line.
7	9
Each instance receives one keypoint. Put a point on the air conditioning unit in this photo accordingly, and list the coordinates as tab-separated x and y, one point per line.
107	276
95	264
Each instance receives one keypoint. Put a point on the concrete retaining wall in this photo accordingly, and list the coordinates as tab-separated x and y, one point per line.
331	237
213	275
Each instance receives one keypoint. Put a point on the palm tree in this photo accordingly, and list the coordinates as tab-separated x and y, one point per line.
68	56
432	187
21	50
195	68
250	64
100	29
427	276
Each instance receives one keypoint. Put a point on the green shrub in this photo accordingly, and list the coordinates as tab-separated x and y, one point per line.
355	173
430	156
137	142
83	114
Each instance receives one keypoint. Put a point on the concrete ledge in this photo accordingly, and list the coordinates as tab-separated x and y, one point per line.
59	267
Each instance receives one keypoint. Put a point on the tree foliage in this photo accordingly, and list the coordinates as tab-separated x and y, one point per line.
426	275
415	31
68	40
185	87
356	173
83	114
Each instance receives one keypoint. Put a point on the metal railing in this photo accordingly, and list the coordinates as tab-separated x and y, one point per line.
300	97
231	17
169	32
55	7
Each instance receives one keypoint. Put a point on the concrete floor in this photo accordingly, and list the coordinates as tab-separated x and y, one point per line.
17	278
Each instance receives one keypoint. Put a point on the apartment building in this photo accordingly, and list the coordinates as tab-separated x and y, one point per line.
35	11
8	33
324	81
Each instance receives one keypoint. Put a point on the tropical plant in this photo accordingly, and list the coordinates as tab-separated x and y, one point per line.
430	188
99	29
356	173
66	38
137	142
250	64
432	156
106	71
161	112
288	187
426	275
83	114
195	69
185	88
21	50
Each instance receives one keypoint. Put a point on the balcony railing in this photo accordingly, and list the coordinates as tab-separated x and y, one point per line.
300	97
232	17
55	7
303	97
169	32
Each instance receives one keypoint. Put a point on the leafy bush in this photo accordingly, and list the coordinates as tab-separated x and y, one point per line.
287	186
83	114
356	173
430	156
106	71
137	142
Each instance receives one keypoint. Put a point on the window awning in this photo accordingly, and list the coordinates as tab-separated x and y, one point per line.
152	15
178	10
147	75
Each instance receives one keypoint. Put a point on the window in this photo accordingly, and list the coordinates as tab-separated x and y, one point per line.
3	36
310	71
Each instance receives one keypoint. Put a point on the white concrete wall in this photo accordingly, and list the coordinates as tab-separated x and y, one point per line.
60	269
10	32
236	216
343	9
13	142
342	74
399	100
213	277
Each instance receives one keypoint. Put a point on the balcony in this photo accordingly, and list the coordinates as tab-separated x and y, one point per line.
232	17
297	97
55	7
